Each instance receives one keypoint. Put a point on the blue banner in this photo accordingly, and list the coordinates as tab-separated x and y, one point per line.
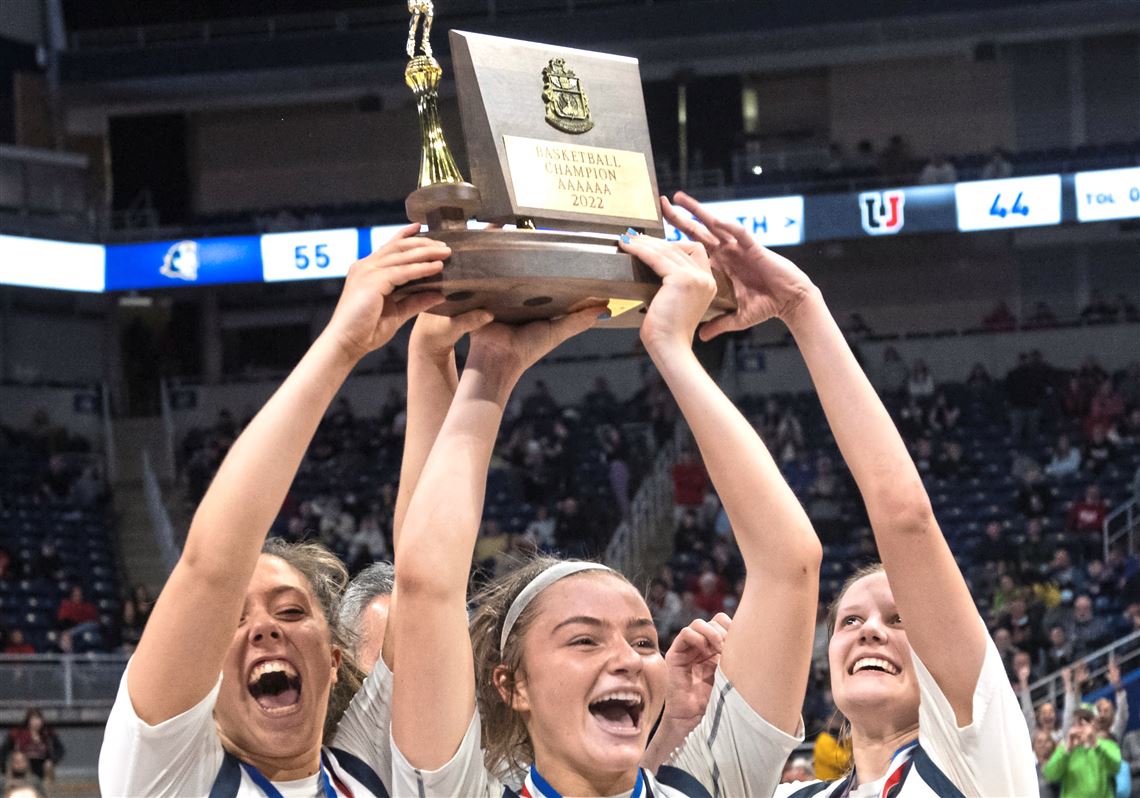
189	261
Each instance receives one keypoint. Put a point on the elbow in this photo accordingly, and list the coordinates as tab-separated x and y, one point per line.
903	509
420	577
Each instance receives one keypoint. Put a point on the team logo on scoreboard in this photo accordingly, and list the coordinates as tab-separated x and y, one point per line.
181	261
882	211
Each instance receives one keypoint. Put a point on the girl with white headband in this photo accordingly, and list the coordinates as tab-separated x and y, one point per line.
913	669
562	664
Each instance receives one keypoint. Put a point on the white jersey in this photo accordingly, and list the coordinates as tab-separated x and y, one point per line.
183	756
732	752
990	757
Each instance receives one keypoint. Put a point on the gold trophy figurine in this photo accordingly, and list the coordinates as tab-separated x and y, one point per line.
444	200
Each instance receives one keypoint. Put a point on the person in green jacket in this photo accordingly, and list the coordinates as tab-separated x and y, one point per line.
1086	764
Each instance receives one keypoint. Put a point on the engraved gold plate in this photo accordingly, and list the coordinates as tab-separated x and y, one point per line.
551	175
567	106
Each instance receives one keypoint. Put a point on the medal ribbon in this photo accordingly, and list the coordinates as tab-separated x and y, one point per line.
536	786
266	786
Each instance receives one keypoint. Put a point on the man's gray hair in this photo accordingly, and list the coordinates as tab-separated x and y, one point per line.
375	580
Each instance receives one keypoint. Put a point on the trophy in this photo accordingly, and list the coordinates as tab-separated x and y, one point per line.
558	146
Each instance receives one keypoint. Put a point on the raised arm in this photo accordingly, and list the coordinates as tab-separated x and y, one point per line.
434	684
781	552
941	621
180	654
432	381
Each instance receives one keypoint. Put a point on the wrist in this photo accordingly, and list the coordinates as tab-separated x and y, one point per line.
670	353
434	354
490	379
334	352
804	309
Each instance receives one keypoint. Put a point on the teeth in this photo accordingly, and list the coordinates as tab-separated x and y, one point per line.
272	666
629	698
873	662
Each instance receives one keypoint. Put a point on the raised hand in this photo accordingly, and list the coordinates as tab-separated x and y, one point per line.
767	285
1080	673
507	350
365	318
1114	672
687	288
436	336
692	662
1023	676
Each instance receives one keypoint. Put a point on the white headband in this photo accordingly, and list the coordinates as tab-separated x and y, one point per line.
537	585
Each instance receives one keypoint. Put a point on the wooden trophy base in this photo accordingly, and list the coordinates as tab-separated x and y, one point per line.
523	275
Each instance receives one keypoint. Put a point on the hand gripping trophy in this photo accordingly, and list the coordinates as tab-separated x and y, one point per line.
557	139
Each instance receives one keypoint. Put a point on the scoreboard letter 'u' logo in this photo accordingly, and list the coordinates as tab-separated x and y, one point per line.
882	211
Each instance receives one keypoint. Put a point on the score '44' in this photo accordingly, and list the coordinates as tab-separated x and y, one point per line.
998	210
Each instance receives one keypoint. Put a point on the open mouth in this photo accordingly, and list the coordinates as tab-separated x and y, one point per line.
275	685
875	665
619	712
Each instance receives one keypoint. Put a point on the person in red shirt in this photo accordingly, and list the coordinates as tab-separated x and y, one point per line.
1088	514
18	644
76	610
689	480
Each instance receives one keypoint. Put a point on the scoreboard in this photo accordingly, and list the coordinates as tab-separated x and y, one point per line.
982	205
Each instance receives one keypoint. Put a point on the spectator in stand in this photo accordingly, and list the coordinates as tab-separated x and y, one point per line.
1074	398
950	464
1059	652
1086	763
798	768
938	170
993	547
1000	319
894	160
18	644
789	440
1112	713
709	591
944	414
130	627
979	378
600	400
18	778
1042	316
77	613
690	481
1043	747
1033	497
1098	451
825	501
832	753
1025	386
1035	552
665	609
920	386
1086	631
998	166
865	159
893	374
541	528
1065	460
912	420
39	743
1087	515
1105	408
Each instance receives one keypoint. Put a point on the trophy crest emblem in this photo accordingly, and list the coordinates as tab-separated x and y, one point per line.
567	107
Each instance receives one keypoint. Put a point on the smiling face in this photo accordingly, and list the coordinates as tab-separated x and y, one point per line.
592	681
279	668
872	676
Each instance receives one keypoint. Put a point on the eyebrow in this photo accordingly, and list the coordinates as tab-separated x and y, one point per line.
589	620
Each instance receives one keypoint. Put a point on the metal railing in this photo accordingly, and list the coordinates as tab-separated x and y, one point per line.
1122	522
35	181
159	518
1126	650
59	682
650	512
109	449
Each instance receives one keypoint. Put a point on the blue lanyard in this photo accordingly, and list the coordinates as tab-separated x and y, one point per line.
266	786
546	791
